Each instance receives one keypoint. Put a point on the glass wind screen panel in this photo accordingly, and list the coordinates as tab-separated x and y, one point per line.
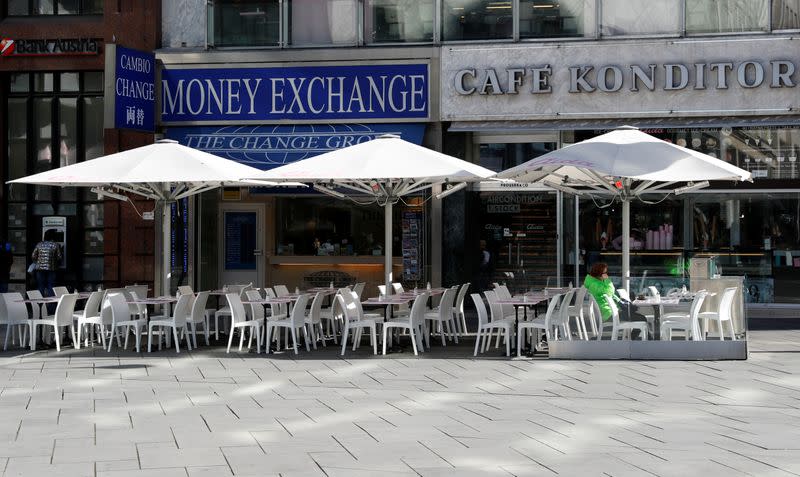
551	18
43	138
785	14
322	22
726	16
246	22
640	17
17	145
476	20
393	21
93	127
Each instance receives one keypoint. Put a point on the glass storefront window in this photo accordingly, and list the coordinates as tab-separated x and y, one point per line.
17	7
43	7
498	157
726	16
640	17
17	145
398	21
19	82
69	82
51	7
476	20
785	14
246	22
551	18
93	81
43	159
93	127
322	22
42	82
325	227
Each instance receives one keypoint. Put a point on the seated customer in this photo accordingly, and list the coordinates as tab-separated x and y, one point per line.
599	285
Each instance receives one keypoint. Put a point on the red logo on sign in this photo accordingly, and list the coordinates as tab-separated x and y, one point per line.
6	47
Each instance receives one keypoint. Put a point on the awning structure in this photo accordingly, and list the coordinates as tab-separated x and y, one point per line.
645	124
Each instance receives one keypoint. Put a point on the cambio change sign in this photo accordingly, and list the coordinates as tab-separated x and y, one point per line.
299	93
134	89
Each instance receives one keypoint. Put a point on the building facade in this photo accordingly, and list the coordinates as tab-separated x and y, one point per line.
52	84
496	83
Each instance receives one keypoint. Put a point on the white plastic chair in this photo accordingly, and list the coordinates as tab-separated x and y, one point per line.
576	310
359	288
63	318
313	320
177	322
458	310
60	291
121	316
355	320
688	322
15	317
443	316
723	314
225	311
414	323
485	327
281	290
198	316
185	290
334	317
295	322
91	316
624	327
239	320
546	324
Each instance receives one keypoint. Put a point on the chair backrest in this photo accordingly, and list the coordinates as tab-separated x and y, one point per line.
580	297
184	290
270	292
563	310
182	309
502	293
15	309
697	304
397	287
483	317
726	304
462	293
623	293
281	290
92	307
553	310
653	291
37	309
316	308
417	314
141	290
446	304
65	309
60	291
673	291
345	300
236	306
614	310
382	290
298	316
199	306
496	309
359	288
256	309
115	304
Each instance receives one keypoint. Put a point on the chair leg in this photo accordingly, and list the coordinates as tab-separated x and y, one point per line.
258	339
267	339
177	340
57	333
241	337
294	339
305	334
230	340
413	340
477	342
344	338
733	332
519	342
385	330
149	337
75	342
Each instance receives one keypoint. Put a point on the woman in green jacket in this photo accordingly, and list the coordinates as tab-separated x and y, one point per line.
599	285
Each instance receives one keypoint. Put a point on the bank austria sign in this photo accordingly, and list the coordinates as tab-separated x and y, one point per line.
295	93
621	79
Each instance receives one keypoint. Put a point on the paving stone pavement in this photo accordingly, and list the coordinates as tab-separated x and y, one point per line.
208	413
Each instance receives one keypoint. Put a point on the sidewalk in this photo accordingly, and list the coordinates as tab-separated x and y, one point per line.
208	413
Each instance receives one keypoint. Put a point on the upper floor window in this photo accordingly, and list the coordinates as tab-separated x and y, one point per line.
322	22
556	18
477	20
785	14
54	7
726	16
245	22
640	17
399	21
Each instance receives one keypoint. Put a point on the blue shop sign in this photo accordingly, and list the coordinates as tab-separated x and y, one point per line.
267	147
300	93
134	90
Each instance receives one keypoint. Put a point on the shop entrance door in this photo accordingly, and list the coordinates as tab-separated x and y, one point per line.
242	241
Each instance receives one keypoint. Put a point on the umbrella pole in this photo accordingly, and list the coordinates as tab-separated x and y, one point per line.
387	247
626	244
166	248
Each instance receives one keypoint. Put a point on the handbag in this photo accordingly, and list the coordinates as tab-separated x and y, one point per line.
32	268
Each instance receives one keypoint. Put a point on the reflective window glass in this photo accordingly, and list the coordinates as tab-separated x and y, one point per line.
93	269
43	82
476	20
16	215
246	22
17	7
93	127
390	21
726	16
785	14
640	17
556	18
43	138
68	7
322	22
69	82
93	81
19	82
92	7
17	145
43	7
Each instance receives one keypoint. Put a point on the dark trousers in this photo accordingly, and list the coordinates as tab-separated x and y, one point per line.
45	280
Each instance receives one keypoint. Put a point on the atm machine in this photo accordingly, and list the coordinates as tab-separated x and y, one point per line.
59	224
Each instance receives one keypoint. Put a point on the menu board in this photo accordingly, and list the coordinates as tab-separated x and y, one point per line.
412	225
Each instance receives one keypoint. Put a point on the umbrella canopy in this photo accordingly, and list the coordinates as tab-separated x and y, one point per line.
164	171
625	163
385	169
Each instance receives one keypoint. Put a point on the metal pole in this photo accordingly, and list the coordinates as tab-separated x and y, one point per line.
577	241
559	235
626	243
387	247
166	248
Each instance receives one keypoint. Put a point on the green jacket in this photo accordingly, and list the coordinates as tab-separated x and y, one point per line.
599	289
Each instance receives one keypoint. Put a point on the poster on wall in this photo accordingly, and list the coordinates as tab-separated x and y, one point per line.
240	228
411	240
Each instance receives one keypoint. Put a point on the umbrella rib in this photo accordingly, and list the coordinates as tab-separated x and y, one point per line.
599	179
644	185
658	187
140	191
417	187
360	188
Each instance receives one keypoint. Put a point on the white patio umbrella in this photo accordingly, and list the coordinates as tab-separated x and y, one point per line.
164	172
625	163
384	169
